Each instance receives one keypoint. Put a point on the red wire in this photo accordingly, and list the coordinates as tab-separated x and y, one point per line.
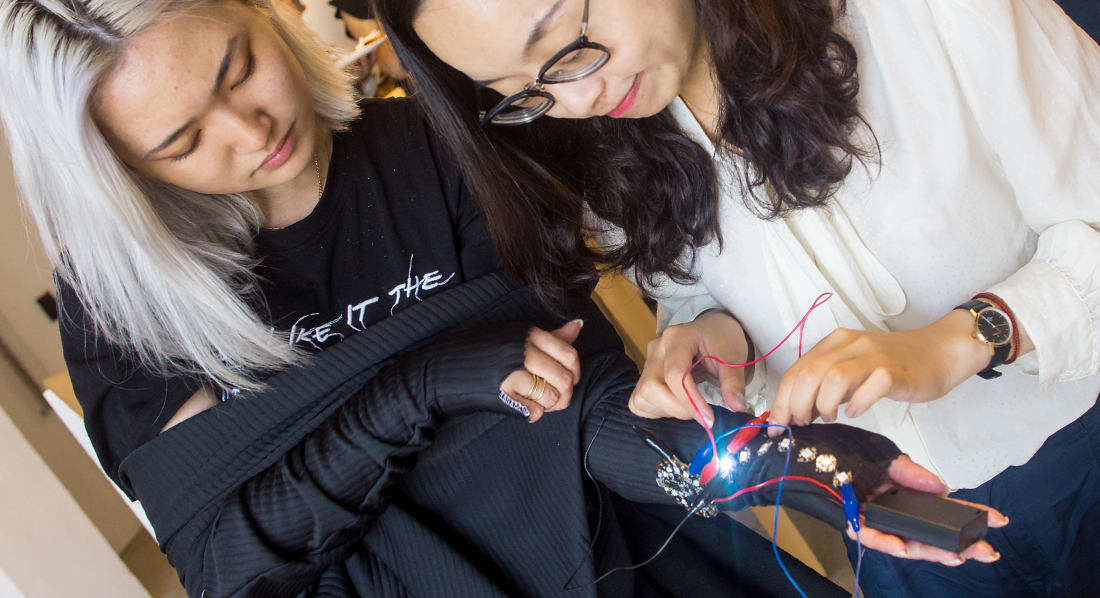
800	326
774	480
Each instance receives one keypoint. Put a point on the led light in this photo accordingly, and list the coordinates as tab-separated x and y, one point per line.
807	454
784	445
726	465
763	448
826	463
842	477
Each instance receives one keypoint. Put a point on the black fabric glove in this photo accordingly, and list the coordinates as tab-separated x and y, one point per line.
857	455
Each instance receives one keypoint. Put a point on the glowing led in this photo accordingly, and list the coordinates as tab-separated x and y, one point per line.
726	465
826	463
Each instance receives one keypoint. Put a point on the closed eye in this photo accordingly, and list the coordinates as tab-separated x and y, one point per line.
249	68
190	150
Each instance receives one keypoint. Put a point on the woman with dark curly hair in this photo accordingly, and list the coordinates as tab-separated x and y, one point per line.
932	163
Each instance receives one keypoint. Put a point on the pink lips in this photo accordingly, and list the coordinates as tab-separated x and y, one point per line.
280	155
628	101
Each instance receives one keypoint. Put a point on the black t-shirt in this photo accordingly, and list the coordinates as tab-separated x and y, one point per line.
394	225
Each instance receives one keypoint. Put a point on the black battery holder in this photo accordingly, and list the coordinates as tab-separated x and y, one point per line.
927	518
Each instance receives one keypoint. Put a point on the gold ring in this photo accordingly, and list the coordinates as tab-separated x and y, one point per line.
535	379
542	389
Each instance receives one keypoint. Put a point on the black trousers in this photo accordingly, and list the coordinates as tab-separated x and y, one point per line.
1051	547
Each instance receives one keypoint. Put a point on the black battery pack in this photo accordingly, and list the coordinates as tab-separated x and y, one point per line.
927	518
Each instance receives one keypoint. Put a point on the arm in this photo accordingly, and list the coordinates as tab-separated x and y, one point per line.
617	457
275	534
1028	75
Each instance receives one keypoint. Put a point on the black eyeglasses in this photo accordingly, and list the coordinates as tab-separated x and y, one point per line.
573	63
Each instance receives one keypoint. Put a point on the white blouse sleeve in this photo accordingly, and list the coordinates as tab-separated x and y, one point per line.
1032	79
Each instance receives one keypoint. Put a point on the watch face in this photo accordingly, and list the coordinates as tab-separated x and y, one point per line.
994	327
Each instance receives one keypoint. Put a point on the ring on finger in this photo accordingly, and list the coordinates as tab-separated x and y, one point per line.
542	390
535	380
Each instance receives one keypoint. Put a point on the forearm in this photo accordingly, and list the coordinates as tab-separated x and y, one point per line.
285	525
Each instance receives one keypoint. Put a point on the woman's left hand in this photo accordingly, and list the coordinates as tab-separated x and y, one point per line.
904	472
859	367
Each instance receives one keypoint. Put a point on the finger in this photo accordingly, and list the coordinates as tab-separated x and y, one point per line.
923	552
837	386
780	413
731	381
654	400
981	551
559	381
516	385
569	331
882	542
875	387
906	472
558	349
691	403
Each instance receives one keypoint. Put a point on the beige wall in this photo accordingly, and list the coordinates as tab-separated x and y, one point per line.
34	339
49	547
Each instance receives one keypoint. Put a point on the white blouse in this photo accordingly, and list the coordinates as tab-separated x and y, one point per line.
987	113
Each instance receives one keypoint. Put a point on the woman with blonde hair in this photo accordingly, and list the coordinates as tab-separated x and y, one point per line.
226	223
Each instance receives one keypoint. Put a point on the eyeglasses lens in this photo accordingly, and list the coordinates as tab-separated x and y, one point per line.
576	65
523	110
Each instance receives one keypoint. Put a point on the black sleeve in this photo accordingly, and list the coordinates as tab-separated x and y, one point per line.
124	404
278	532
360	9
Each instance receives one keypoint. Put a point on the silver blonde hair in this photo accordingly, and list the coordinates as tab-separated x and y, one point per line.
164	272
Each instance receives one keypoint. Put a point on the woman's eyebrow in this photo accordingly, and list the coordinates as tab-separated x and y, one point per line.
223	68
541	27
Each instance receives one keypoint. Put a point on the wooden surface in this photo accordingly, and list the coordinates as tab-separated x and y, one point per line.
63	388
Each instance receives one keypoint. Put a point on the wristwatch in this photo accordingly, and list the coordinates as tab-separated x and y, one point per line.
992	327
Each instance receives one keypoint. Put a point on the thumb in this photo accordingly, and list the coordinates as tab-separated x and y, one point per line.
570	331
731	381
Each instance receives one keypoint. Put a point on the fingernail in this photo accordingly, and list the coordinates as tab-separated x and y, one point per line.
1003	522
826	419
579	322
851	411
955	562
901	554
991	558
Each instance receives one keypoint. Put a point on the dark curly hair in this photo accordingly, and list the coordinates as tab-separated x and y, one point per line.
790	87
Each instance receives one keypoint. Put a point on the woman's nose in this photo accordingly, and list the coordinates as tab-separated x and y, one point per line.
579	99
251	129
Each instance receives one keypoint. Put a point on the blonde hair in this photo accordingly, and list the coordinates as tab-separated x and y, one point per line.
161	271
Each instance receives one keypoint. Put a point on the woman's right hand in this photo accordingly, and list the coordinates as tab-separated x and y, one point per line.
551	356
660	392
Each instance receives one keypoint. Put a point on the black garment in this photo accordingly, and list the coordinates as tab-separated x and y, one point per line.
360	9
1086	13
304	490
394	225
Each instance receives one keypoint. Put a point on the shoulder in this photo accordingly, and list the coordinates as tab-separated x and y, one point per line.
395	135
397	124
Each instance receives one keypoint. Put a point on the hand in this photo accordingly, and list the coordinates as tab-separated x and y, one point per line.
550	355
859	367
904	472
660	392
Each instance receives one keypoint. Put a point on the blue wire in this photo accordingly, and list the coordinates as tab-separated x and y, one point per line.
778	497
775	521
859	562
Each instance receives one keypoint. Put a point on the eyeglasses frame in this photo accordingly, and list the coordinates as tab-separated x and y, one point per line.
537	88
